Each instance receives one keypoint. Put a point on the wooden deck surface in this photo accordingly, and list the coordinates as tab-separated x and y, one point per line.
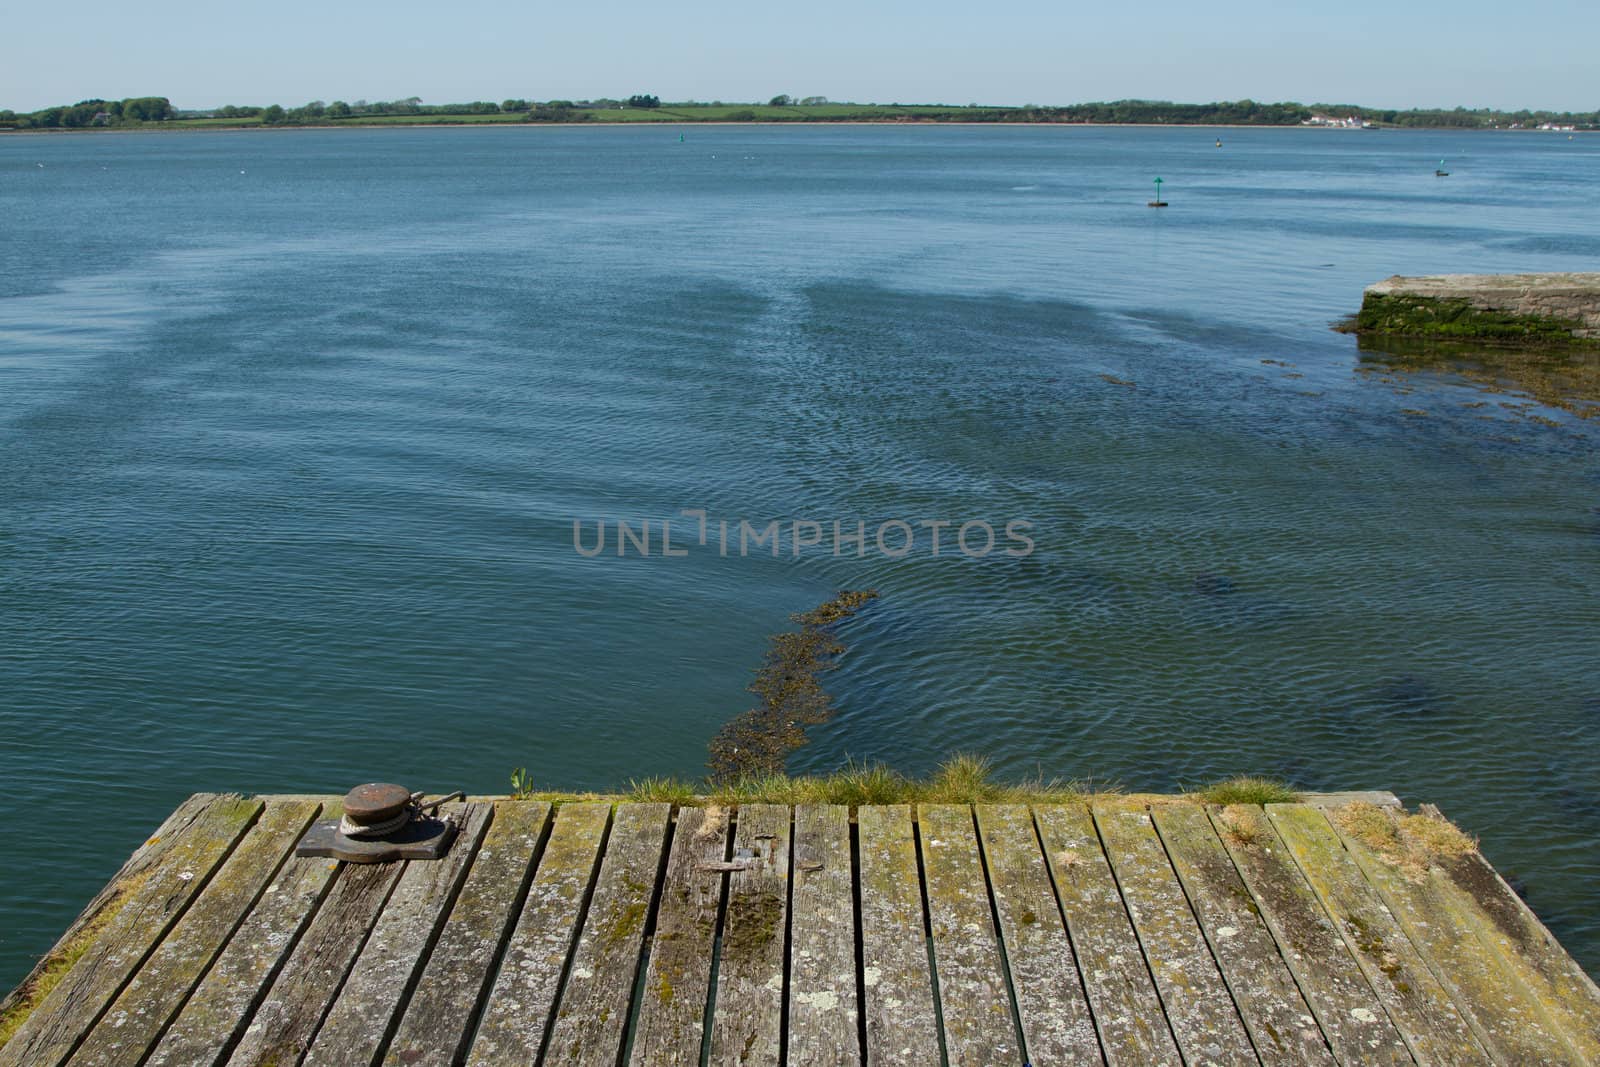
1134	931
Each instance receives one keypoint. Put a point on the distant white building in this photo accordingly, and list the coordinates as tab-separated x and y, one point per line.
1348	123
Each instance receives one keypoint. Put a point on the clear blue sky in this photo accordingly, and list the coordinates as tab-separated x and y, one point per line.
1397	53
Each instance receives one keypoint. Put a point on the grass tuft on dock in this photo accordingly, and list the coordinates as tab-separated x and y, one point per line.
1248	790
1412	843
961	779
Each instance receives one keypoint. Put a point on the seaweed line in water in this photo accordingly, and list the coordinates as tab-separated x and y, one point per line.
789	691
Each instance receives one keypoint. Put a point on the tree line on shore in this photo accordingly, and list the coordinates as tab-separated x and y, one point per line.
144	111
133	111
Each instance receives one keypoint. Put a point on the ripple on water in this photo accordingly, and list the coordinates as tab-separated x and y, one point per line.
287	480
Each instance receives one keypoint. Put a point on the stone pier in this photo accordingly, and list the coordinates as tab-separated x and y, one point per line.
1561	308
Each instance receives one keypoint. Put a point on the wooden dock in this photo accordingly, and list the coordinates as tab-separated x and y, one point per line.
1139	930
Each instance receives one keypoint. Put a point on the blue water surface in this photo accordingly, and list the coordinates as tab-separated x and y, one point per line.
294	428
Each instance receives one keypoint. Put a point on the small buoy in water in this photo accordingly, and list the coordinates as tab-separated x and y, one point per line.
680	138
1219	142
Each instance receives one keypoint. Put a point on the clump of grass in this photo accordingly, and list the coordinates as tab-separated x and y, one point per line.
962	779
1371	825
656	790
861	783
965	779
1247	790
1245	827
1411	843
1435	836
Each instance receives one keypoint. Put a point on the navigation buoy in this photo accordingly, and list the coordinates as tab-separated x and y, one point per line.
1440	172
680	138
1157	202
1219	142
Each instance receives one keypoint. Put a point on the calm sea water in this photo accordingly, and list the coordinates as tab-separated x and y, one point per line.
294	429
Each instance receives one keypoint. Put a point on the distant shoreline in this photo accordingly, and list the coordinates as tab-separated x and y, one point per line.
159	112
154	128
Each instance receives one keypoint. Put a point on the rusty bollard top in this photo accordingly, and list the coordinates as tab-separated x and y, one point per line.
375	802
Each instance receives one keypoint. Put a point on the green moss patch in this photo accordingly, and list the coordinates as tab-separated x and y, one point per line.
1456	318
54	967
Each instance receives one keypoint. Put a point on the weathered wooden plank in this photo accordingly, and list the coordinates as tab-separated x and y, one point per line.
32	990
1381	797
823	1013
1449	905
1056	1024
749	1006
433	1031
1418	1004
592	1015
160	987
523	997
1200	1009
1346	1008
1127	1010
978	1025
216	1014
1572	995
1281	1025
672	1013
287	1019
1578	994
149	903
354	1029
902	1027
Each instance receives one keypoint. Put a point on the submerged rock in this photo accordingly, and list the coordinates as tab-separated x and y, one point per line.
1213	584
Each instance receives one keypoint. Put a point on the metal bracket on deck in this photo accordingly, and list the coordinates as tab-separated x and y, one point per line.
382	822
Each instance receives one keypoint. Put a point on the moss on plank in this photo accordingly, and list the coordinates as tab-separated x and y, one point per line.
758	917
59	963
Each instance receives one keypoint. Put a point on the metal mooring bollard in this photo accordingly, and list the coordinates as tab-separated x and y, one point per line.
383	822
